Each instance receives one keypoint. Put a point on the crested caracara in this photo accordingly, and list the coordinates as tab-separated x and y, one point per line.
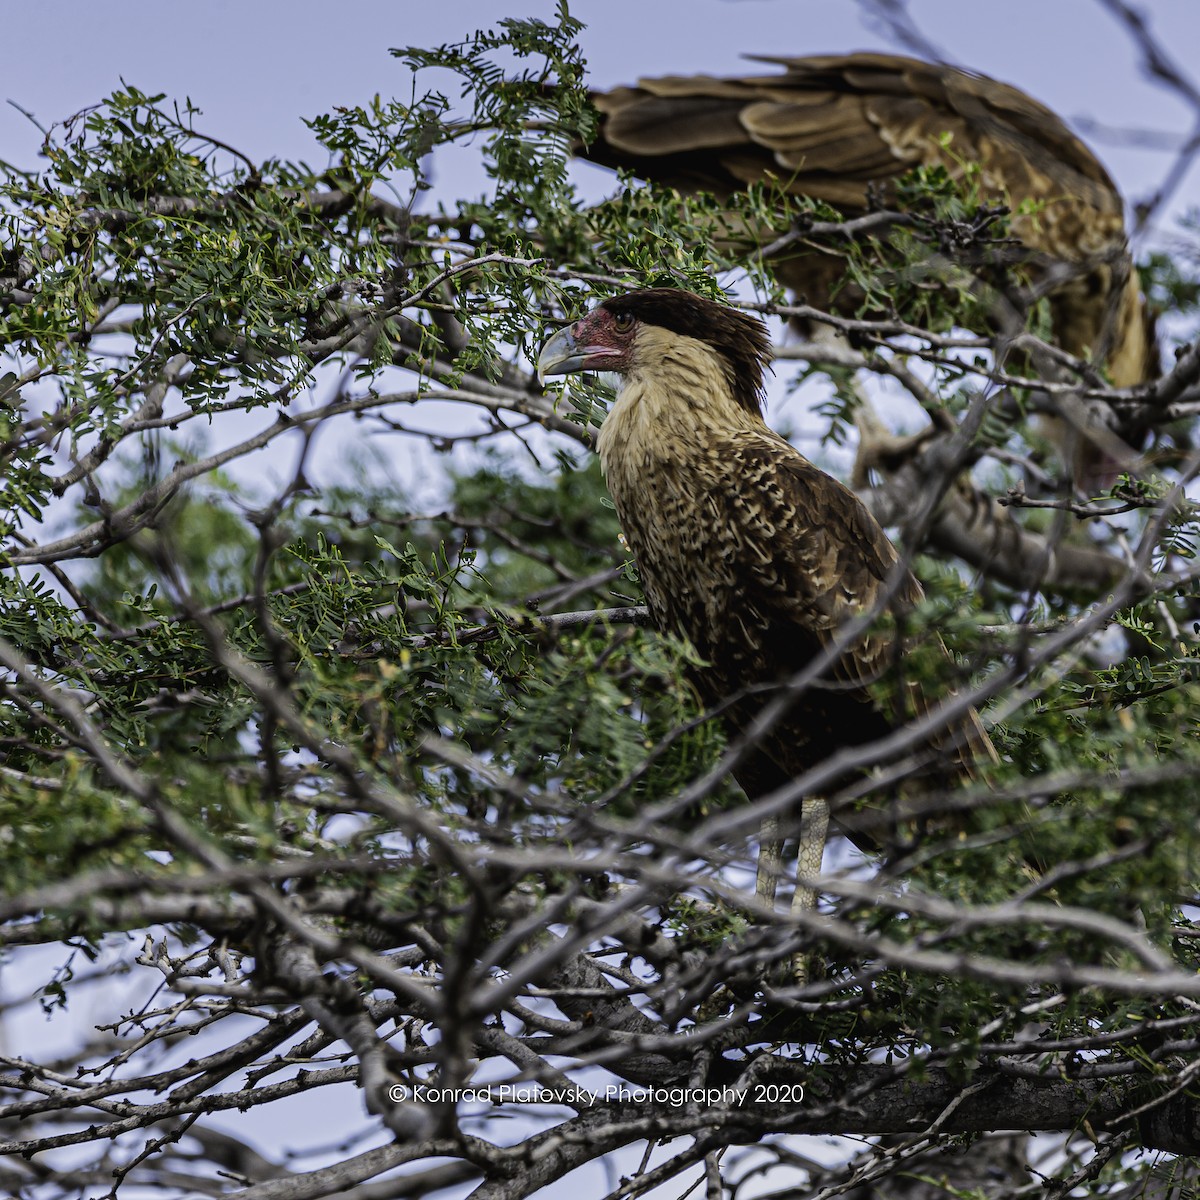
761	560
844	128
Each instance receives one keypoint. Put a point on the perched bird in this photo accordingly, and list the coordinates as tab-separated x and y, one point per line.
844	128
745	548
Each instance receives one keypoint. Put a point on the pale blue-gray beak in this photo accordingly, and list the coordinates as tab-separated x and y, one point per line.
561	355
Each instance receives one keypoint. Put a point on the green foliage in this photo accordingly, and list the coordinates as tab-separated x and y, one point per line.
1171	286
383	703
388	628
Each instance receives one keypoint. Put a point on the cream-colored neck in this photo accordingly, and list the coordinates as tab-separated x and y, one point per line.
675	400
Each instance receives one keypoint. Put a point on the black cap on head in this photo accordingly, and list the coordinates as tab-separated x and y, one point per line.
738	337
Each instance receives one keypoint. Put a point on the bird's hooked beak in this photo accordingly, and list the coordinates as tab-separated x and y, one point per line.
563	355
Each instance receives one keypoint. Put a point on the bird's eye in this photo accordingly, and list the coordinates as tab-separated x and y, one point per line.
623	322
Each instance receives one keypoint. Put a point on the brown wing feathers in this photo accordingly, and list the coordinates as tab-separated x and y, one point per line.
829	126
811	564
832	127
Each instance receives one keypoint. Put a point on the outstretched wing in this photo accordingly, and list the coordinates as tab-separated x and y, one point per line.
833	127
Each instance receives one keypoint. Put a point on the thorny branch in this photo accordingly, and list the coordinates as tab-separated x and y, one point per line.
376	923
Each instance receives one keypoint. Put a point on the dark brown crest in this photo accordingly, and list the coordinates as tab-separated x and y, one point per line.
739	338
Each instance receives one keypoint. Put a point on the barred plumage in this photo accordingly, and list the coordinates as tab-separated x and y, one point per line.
744	547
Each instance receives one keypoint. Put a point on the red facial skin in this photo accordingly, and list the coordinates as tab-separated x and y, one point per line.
601	341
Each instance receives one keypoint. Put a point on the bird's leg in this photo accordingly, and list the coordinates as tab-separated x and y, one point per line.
814	826
770	861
